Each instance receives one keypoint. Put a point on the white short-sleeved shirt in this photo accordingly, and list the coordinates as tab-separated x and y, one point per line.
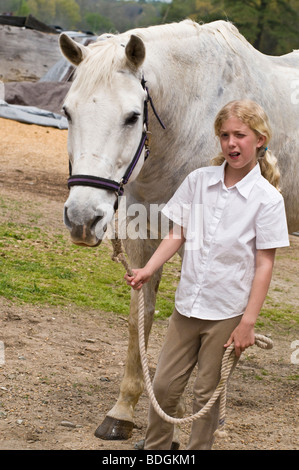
223	228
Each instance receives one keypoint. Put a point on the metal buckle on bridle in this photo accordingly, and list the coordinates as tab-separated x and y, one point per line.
103	183
120	190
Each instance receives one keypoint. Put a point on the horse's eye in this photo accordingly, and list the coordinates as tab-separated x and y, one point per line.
132	119
66	113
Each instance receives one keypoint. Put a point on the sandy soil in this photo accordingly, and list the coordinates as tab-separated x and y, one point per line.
63	366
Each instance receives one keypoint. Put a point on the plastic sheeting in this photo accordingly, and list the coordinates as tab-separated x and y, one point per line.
32	115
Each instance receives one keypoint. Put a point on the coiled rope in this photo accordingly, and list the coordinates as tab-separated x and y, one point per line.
227	361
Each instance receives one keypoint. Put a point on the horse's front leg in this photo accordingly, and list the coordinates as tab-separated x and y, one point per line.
119	422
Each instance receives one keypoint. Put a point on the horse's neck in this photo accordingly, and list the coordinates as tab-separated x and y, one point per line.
181	71
189	81
171	64
186	79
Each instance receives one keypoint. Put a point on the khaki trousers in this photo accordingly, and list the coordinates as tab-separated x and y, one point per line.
188	341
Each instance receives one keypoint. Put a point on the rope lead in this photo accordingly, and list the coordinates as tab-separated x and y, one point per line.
227	361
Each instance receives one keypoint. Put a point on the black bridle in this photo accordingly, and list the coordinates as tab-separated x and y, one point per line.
118	187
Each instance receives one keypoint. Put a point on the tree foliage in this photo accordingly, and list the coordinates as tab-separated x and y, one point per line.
271	26
96	15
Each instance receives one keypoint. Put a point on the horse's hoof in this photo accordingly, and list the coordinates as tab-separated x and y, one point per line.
175	446
113	429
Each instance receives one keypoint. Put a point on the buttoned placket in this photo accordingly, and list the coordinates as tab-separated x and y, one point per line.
222	200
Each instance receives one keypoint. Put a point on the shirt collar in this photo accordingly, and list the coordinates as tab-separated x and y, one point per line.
244	186
217	175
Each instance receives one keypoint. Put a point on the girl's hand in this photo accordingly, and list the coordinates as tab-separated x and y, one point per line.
140	277
242	336
167	248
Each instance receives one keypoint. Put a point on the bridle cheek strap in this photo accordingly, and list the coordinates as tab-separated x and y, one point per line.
118	187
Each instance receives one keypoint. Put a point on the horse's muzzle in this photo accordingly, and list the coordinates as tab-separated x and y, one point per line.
87	234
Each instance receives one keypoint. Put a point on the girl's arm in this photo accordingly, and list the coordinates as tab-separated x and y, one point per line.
167	248
243	335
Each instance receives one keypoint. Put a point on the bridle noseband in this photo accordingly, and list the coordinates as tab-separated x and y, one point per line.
118	187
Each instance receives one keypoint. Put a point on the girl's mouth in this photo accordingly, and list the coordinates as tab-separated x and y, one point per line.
234	155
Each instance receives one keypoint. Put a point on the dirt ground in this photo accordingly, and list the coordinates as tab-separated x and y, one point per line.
63	366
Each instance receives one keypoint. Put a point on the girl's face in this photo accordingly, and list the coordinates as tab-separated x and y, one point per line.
239	144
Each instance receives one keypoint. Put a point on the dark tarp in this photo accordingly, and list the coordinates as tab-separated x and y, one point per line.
40	102
45	95
35	103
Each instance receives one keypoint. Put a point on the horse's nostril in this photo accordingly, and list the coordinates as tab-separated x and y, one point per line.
66	219
95	222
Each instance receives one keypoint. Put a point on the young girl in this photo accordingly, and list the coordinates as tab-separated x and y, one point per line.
225	275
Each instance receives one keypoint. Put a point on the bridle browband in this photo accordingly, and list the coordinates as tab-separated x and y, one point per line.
118	187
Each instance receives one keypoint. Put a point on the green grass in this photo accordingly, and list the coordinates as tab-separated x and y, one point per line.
40	265
42	268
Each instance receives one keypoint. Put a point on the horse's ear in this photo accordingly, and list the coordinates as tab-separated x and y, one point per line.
72	50
135	51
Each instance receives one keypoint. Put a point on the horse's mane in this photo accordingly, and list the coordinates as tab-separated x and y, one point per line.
186	28
107	56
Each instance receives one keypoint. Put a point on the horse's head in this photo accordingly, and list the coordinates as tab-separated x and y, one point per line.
105	108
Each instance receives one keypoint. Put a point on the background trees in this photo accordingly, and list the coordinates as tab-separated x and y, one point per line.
271	26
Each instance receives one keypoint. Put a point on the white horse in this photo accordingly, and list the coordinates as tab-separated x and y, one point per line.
191	71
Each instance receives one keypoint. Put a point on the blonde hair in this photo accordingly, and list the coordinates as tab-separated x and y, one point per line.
253	115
